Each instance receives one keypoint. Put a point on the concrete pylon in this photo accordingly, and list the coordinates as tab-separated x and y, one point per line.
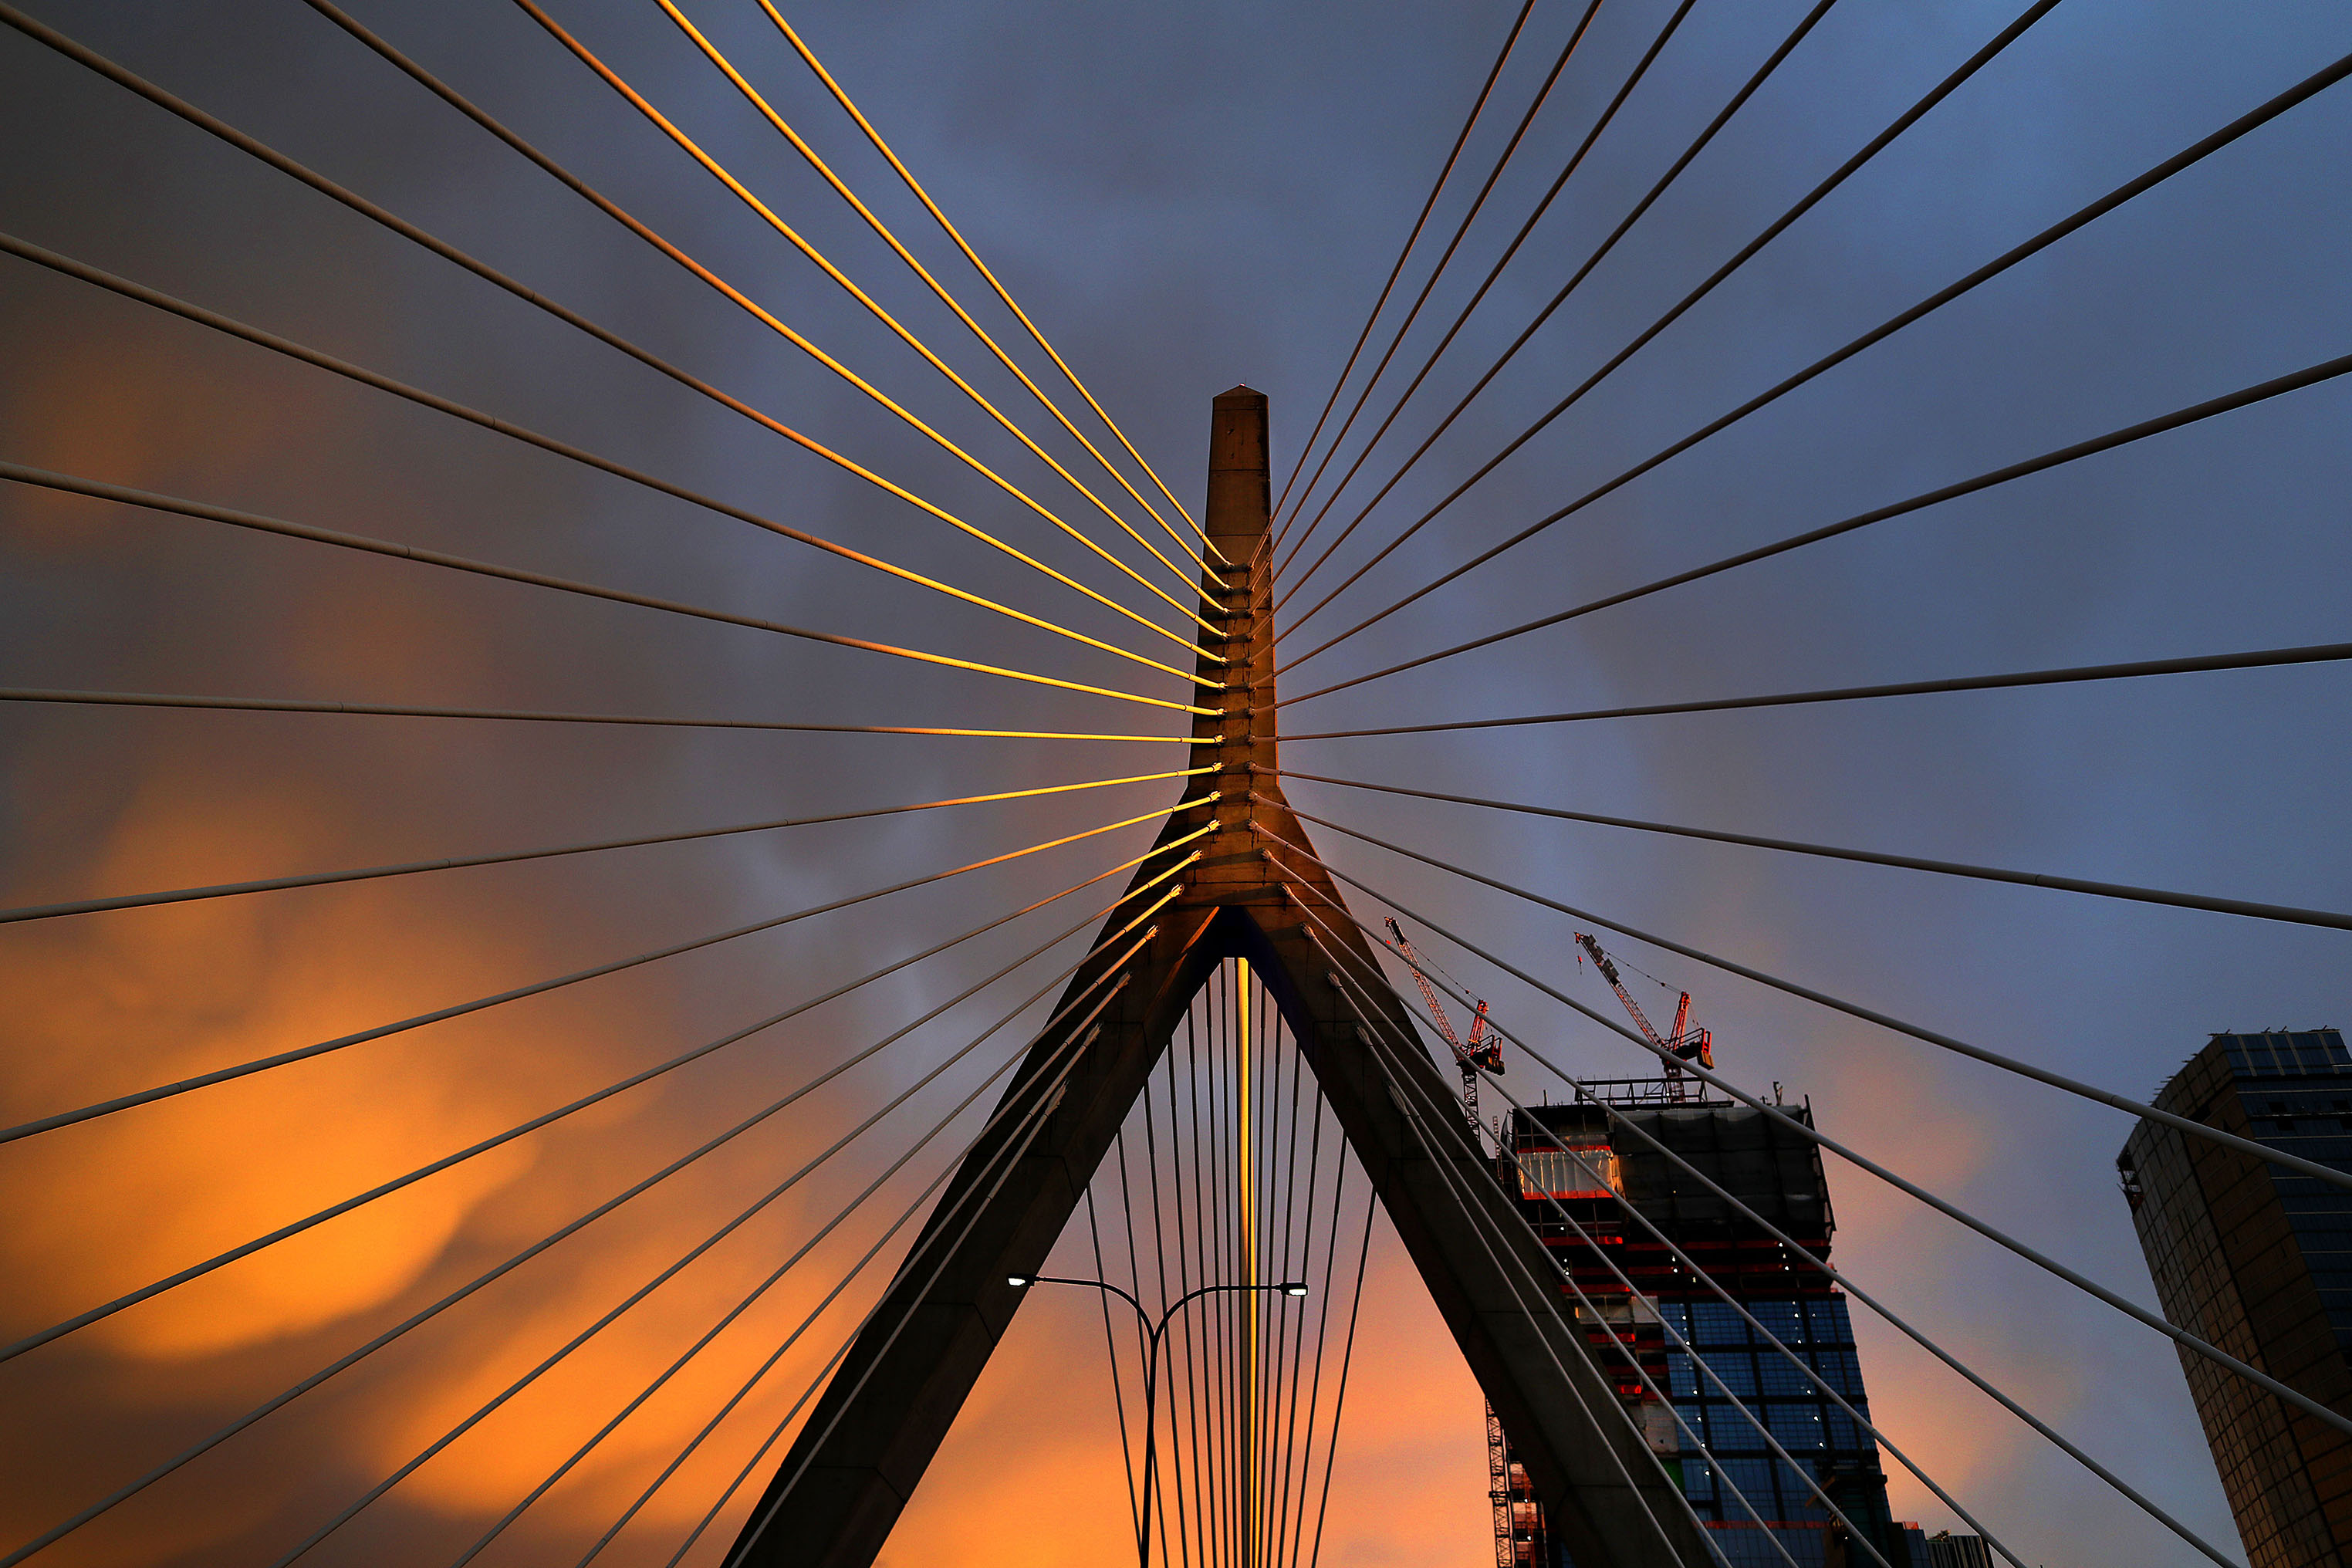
863	1449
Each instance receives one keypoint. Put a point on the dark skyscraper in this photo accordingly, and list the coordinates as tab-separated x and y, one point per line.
2258	1260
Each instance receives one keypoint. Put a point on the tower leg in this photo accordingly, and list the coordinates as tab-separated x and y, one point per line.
865	1447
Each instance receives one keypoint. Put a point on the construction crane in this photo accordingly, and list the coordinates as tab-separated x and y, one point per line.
1481	1051
1684	1045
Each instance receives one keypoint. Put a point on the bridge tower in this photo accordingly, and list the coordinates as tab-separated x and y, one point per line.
838	1493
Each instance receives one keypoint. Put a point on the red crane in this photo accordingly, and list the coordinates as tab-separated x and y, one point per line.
1686	1043
1481	1051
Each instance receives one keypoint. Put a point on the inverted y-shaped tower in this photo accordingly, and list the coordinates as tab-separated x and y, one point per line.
865	1447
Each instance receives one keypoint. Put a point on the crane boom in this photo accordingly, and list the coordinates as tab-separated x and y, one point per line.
1686	1043
1483	1051
1428	992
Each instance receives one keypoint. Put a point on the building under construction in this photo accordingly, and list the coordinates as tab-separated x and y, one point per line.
1617	1186
1693	1231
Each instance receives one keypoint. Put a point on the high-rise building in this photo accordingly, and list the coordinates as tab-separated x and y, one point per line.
1610	1171
2258	1260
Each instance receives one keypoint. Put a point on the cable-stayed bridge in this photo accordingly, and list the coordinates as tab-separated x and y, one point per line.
1113	1008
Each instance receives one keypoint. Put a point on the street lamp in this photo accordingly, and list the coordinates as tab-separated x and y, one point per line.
1150	1368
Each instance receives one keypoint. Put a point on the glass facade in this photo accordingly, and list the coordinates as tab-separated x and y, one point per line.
2259	1261
1736	1386
1733	1387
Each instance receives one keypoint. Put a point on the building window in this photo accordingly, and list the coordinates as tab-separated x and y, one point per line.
1573	1172
1736	1371
1797	1427
1827	1314
1713	1323
1752	1477
1729	1431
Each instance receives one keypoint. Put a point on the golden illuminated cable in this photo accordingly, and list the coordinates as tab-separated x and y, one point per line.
41	257
866	1053
509	858
1244	1160
214	126
95	1314
305	1053
752	95
718	172
353	1357
409	710
712	53
102	490
973	255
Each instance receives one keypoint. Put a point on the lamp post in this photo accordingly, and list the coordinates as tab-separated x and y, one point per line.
1150	1369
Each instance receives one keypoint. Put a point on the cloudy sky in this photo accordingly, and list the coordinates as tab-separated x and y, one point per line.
1185	197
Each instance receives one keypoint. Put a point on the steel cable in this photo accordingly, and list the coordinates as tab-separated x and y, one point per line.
1279	1488
1370	1037
2284	913
1046	1099
1143	1349
389	1335
1285	1548
1322	1339
2261	115
1813	1260
520	1384
1518	1279
614	1423
1197	1380
1225	1207
1009	1153
718	172
1347	1361
744	1392
442	1015
1576	160
1723	117
2264	658
971	255
2049	1265
41	255
410	711
2229	401
1697	1272
1764	1335
1461	230
1159	1262
751	95
1282	1413
131	81
1771	231
194	1271
1110	1359
124	495
515	856
1993	1059
1453	156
